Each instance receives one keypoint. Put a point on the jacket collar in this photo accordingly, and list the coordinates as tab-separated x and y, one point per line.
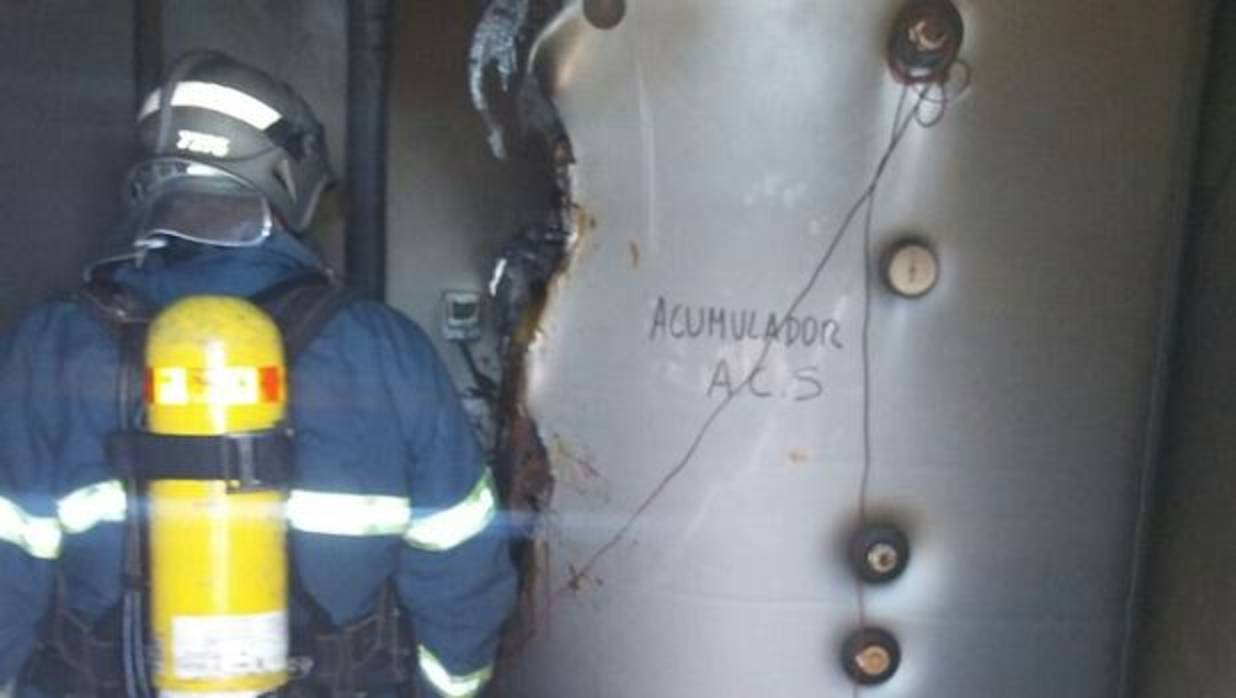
184	269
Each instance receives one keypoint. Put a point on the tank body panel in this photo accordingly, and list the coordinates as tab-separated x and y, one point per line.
696	542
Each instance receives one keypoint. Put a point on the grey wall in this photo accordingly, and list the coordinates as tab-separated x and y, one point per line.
66	77
451	204
1189	628
67	70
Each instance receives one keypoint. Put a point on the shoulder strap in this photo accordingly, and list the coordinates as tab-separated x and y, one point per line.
301	307
114	303
127	316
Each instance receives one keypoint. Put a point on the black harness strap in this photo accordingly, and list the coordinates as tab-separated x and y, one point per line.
118	638
127	316
74	658
374	653
301	307
253	460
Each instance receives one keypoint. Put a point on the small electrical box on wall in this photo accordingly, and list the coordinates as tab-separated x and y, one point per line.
461	316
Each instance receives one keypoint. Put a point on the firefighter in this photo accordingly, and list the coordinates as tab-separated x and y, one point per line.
390	510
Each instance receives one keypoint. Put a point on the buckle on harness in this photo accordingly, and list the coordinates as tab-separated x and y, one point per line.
251	460
251	465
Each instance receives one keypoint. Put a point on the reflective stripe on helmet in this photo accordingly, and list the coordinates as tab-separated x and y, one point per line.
448	528
225	100
449	685
347	514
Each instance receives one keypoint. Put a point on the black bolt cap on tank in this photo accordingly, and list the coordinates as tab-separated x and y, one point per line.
879	553
925	42
605	14
871	656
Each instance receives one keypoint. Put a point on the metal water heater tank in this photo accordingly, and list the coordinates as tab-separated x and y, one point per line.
851	380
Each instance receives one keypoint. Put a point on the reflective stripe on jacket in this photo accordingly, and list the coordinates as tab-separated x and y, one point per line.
328	513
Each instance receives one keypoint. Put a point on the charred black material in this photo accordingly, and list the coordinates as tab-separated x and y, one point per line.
507	95
522	272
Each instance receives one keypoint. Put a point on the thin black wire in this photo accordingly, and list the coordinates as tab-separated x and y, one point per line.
900	127
868	220
865	480
946	92
941	94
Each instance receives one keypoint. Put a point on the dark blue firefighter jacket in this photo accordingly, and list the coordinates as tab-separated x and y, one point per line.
389	483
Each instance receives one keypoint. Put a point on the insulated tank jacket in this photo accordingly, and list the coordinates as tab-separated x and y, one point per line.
389	484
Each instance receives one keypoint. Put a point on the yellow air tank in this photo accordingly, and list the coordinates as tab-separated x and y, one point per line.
218	560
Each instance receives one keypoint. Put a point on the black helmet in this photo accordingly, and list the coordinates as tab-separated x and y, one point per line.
226	144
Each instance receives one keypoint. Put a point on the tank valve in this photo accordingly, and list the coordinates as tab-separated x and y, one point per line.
871	656
880	553
926	39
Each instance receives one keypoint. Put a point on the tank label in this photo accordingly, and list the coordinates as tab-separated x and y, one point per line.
219	647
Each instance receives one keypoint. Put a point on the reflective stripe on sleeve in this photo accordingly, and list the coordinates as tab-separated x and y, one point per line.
38	536
447	684
83	509
445	529
347	514
76	512
336	514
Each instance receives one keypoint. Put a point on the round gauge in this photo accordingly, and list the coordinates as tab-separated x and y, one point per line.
912	269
